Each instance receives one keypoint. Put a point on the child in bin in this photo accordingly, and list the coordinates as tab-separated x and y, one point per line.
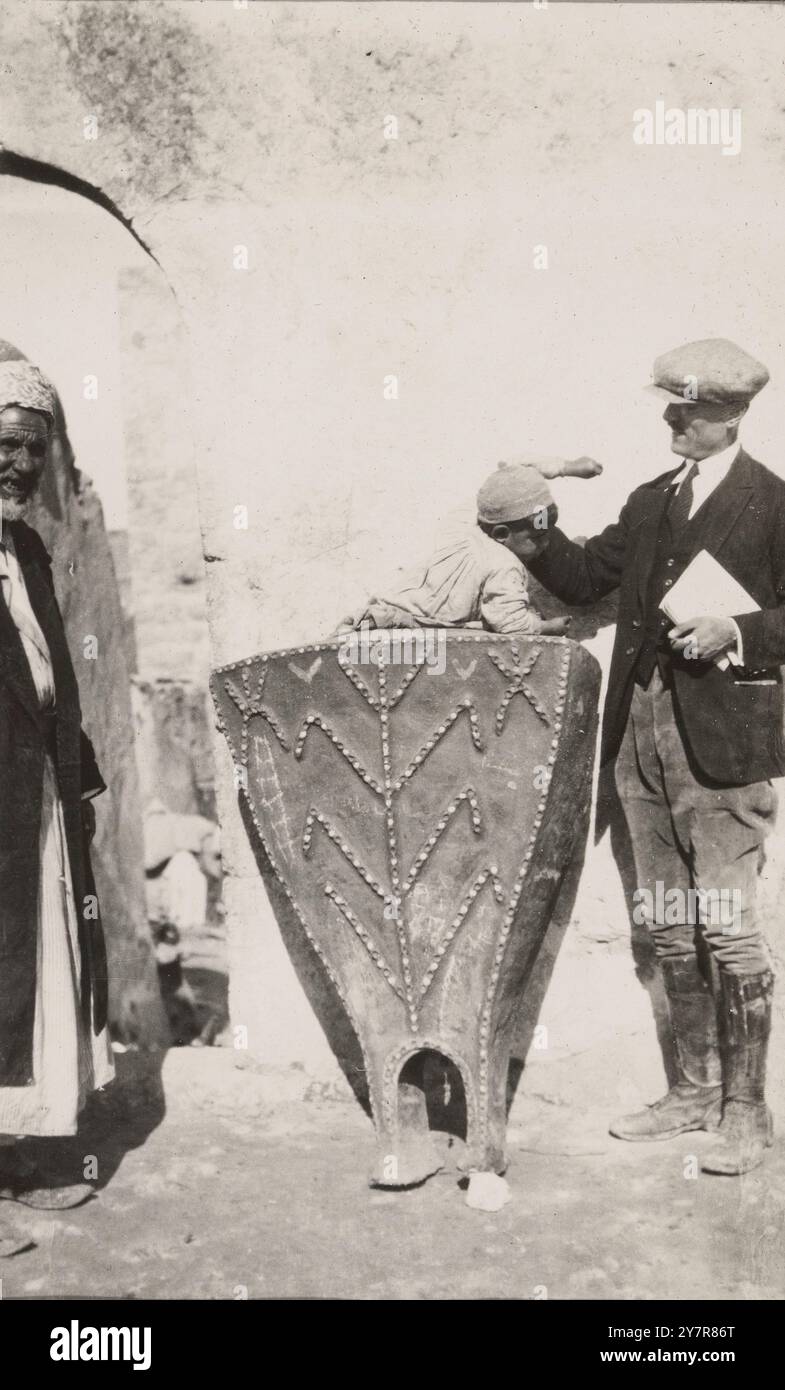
478	575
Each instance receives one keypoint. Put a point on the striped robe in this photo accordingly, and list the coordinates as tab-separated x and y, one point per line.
69	1060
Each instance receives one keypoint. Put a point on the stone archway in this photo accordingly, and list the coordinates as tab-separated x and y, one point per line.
111	648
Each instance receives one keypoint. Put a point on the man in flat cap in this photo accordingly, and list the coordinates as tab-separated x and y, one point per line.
694	721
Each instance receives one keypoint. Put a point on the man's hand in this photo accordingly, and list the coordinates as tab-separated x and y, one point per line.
583	467
88	820
554	466
702	639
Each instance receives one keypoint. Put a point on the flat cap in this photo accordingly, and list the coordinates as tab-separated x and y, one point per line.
513	492
713	370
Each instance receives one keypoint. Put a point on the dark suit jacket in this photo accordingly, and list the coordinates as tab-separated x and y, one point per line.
731	723
24	736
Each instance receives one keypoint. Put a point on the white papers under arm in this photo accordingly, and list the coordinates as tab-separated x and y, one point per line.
705	589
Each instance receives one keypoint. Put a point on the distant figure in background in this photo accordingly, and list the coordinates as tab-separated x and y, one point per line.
193	1022
54	1048
181	855
183	864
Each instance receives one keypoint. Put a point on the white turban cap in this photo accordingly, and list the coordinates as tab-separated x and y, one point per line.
22	384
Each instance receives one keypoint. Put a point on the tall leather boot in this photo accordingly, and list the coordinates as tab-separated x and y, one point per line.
695	1101
746	1129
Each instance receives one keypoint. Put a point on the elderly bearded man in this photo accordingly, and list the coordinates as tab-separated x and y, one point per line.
53	1043
697	746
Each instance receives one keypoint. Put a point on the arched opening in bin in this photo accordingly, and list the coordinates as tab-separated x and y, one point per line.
430	1082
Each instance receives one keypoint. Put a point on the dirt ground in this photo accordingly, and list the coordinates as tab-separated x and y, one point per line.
224	1181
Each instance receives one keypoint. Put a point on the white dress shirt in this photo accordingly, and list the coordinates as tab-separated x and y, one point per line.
711	472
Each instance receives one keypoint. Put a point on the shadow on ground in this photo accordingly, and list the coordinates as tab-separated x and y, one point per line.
113	1123
253	1184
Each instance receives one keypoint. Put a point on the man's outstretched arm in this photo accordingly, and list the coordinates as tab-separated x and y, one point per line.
582	574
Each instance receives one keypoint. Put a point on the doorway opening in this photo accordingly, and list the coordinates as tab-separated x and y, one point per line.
431	1080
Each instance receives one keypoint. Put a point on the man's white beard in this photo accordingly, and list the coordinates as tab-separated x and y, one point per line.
13	510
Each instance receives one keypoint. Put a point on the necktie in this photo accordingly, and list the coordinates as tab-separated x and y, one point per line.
681	502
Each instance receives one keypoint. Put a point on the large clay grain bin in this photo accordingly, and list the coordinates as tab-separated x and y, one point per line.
419	796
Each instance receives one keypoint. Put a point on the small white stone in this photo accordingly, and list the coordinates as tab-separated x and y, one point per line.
487	1192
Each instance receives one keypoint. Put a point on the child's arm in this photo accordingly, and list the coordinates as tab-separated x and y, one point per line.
552	466
505	607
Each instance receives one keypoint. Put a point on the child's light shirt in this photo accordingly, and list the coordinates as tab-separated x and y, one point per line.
469	578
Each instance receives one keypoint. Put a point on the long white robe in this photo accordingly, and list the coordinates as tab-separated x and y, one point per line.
67	1062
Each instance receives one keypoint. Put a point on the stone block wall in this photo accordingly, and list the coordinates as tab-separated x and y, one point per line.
69	518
